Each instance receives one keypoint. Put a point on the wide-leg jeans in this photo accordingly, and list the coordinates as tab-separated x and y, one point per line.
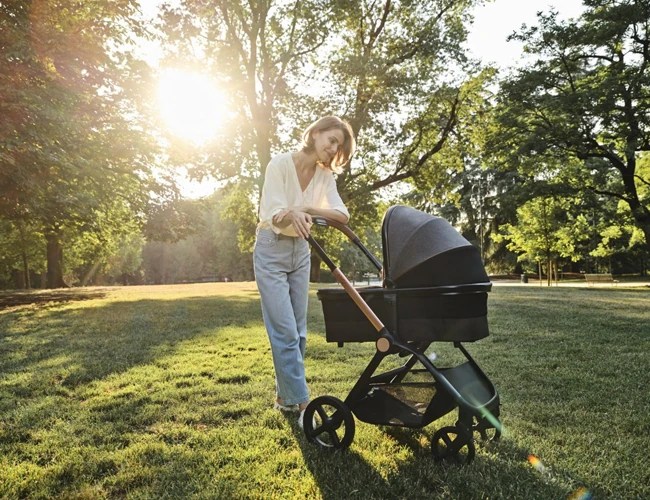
282	266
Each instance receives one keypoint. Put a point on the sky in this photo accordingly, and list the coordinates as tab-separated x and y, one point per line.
493	23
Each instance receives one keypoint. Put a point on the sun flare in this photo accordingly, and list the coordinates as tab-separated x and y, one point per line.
192	107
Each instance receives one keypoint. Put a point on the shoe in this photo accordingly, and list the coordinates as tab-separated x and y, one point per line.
300	418
288	408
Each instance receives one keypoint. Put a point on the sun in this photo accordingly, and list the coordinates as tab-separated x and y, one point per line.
192	107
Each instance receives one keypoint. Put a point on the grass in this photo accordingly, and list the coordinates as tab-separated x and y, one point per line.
165	392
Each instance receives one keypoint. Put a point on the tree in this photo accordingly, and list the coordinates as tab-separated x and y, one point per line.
545	231
393	60
73	143
585	97
378	59
256	51
22	253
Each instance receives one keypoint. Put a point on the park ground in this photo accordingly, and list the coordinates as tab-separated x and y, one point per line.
166	392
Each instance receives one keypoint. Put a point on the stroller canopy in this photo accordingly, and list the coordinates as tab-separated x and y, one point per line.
422	250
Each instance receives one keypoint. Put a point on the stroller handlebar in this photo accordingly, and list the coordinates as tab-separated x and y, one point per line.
319	220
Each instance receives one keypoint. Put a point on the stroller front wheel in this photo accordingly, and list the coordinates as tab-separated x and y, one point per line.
452	443
328	422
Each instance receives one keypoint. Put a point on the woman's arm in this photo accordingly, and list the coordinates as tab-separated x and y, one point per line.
330	213
298	217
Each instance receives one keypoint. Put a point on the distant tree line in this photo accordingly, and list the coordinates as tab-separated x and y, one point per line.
550	172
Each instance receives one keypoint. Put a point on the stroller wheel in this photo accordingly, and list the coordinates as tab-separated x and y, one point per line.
329	422
487	431
489	434
451	443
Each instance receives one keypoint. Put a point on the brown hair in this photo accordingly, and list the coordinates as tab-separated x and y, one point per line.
345	151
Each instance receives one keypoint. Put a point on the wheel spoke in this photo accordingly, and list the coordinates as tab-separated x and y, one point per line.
456	445
322	413
317	431
335	439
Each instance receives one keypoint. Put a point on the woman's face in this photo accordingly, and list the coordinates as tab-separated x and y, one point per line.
327	143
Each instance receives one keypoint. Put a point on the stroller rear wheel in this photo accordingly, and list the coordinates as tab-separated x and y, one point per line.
488	435
329	422
452	443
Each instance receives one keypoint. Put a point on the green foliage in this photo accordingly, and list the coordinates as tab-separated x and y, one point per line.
238	208
584	97
213	251
76	148
376	60
545	230
19	242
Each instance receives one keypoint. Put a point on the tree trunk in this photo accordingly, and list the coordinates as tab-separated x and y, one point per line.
539	270
54	262
23	251
28	283
549	271
314	272
640	213
19	279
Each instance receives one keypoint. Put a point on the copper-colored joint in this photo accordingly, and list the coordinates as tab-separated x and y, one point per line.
383	344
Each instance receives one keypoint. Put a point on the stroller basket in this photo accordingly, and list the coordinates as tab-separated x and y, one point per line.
453	314
418	400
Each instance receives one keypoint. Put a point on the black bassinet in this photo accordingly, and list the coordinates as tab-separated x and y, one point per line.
434	289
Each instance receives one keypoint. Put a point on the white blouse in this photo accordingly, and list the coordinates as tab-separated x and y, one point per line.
282	190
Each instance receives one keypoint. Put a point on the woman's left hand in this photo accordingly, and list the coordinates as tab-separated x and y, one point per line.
299	218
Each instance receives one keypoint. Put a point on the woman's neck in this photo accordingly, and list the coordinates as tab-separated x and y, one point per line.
305	161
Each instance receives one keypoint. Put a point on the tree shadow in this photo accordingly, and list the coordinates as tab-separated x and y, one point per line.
17	298
86	344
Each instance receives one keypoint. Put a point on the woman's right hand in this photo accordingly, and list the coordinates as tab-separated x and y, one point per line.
300	220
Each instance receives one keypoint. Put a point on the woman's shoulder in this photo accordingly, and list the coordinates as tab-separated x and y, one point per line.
283	159
324	174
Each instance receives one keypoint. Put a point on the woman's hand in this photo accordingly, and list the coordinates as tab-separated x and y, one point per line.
299	219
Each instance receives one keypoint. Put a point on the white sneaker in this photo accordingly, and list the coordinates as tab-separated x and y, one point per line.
300	418
288	408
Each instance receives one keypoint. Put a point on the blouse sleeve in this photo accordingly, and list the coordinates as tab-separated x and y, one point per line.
332	198
274	198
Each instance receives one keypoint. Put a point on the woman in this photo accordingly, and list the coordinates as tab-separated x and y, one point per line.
297	186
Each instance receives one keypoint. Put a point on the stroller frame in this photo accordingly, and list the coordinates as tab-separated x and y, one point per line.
390	399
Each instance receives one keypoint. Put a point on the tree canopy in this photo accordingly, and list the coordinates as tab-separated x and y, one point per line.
586	96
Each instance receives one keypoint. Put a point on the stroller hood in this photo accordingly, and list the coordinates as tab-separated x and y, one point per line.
422	250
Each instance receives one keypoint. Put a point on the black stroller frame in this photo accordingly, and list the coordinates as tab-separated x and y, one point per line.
405	318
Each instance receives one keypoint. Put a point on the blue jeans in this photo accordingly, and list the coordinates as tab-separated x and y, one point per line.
282	266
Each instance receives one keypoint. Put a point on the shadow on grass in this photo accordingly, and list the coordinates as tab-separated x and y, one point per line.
28	297
89	343
501	472
56	424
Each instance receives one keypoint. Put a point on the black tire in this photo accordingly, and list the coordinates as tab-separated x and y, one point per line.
328	422
453	444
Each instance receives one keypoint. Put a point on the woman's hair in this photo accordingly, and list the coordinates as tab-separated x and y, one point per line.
345	151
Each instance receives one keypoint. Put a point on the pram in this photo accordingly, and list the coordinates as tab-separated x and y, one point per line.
434	290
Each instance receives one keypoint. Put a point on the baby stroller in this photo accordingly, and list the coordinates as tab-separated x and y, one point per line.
434	290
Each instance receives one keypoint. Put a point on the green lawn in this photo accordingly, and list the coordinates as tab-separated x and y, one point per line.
166	392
